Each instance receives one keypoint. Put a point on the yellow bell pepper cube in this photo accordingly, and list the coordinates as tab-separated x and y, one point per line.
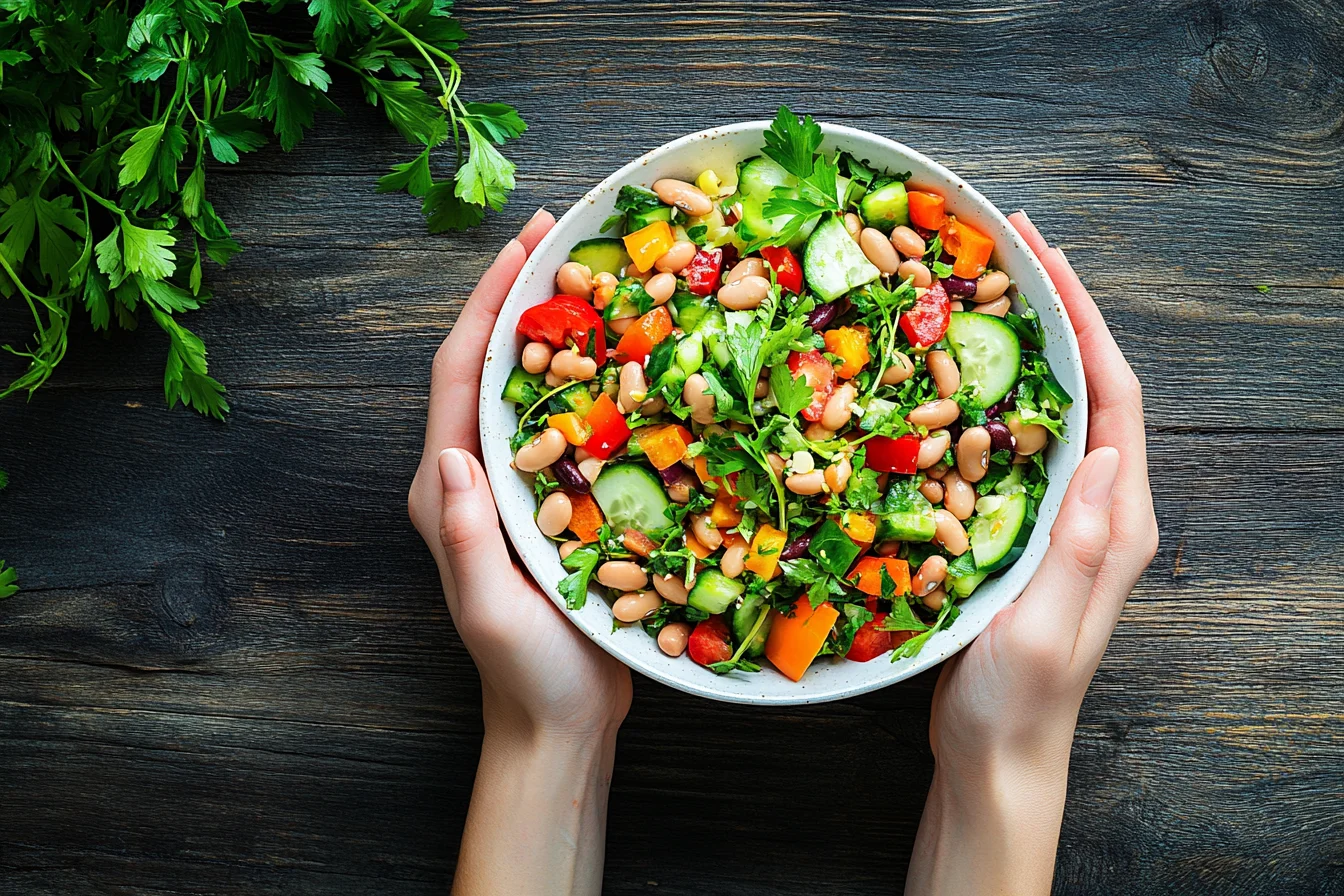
763	558
648	244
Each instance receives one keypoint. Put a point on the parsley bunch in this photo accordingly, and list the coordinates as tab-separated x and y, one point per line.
113	110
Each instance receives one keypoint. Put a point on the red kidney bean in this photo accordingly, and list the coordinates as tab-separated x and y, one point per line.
822	315
1001	437
959	287
1005	404
796	548
567	472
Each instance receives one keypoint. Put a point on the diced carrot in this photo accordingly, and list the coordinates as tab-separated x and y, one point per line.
725	513
860	527
795	640
695	547
571	424
586	520
926	209
867	574
648	244
763	558
969	246
850	344
636	542
664	445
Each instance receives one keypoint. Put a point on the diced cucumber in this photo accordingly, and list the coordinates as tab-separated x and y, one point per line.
601	254
744	620
689	309
886	206
522	387
988	352
962	586
714	592
834	263
995	536
713	326
576	398
638	220
760	227
631	497
904	514
758	175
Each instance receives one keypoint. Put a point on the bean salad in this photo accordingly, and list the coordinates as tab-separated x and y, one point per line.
785	412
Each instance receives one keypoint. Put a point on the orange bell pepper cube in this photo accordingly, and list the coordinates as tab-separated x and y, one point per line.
648	244
860	527
610	431
725	513
664	445
795	640
867	575
969	246
643	335
850	344
586	520
926	209
695	547
571	424
763	558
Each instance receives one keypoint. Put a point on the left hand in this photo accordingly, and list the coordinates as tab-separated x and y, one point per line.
539	674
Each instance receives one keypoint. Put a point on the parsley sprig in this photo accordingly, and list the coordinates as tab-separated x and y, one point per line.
113	113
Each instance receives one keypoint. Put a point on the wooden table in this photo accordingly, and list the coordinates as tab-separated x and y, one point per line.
231	670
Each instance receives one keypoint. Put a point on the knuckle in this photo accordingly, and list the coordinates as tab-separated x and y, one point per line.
1085	543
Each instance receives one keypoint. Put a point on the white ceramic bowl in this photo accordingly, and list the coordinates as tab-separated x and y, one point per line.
828	679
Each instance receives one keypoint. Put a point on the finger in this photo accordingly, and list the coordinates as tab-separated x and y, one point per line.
1022	224
473	546
1059	592
456	377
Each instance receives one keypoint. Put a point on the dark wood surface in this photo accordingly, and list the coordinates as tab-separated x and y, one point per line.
231	670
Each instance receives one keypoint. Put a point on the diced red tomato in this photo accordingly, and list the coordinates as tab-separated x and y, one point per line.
817	372
788	272
702	274
870	641
709	642
926	323
888	455
609	429
643	335
565	317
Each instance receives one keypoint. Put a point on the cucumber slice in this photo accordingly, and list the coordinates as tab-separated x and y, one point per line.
631	497
522	387
758	175
962	586
601	254
995	535
639	220
576	398
905	514
886	207
714	592
760	227
834	263
744	620
988	352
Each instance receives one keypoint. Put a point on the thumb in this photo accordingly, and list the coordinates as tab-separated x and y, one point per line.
1058	593
469	525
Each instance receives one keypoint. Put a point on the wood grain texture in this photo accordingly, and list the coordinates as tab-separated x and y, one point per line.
231	670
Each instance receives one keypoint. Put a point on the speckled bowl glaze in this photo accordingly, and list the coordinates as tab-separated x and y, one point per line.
722	148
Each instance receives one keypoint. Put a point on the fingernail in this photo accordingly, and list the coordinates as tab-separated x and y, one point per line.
1101	477
507	246
536	214
1063	256
454	470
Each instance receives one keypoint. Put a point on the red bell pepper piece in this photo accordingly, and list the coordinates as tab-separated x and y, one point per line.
565	317
888	455
709	642
702	274
643	335
820	375
609	429
926	323
870	641
788	272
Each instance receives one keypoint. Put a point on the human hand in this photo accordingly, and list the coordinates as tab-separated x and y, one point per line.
1005	708
539	674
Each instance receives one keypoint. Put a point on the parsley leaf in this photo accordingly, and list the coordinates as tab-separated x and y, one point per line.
792	143
8	578
574	587
791	394
945	618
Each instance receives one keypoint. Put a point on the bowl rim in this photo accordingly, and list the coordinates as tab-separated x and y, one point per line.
1068	458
